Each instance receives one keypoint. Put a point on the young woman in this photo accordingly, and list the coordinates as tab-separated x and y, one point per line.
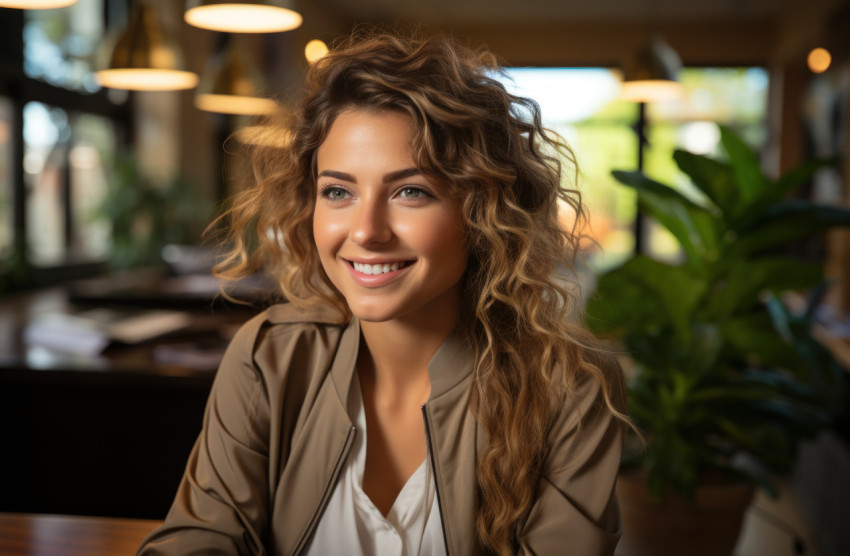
427	389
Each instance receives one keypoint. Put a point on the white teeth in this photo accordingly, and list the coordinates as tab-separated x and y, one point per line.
370	269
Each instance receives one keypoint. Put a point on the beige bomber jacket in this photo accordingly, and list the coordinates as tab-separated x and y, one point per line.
276	435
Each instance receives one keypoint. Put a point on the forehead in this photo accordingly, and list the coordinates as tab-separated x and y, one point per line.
361	138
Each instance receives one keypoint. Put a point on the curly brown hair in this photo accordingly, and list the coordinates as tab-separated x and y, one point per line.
520	302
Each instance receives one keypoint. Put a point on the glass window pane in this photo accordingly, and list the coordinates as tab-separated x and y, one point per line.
46	136
60	44
6	177
725	95
582	105
90	158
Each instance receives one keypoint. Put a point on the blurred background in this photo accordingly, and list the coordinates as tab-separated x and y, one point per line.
108	180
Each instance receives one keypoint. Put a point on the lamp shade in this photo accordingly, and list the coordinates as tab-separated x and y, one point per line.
231	85
142	57
242	16
36	4
651	72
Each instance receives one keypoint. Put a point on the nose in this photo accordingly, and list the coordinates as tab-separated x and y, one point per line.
370	223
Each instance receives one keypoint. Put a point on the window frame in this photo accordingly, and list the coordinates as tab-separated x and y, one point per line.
16	271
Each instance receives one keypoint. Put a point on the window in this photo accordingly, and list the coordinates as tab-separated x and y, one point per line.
60	44
582	105
65	165
67	130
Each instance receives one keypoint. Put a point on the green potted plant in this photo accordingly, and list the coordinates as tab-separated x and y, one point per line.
146	215
726	380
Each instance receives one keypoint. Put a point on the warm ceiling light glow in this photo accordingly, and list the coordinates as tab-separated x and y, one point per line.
819	60
139	79
650	72
243	18
231	83
36	4
650	90
232	104
141	57
314	50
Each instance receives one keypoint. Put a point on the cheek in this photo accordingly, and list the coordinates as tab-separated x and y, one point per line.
326	232
444	240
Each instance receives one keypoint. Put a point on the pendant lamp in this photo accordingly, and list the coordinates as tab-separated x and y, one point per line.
36	4
242	16
650	74
231	85
142	57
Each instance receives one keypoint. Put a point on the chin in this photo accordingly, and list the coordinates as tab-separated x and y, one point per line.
372	314
377	311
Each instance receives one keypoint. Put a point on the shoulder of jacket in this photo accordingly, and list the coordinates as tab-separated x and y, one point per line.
284	317
587	394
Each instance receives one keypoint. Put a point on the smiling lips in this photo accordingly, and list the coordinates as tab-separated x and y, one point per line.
368	269
374	275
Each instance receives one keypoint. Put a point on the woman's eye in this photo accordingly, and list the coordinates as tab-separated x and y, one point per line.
411	193
334	193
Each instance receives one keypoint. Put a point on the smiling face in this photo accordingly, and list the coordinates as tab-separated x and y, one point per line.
390	240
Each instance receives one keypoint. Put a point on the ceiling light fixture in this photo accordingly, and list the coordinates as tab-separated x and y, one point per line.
142	57
231	85
242	16
36	4
650	74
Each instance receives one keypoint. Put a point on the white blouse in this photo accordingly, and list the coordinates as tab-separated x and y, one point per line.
352	525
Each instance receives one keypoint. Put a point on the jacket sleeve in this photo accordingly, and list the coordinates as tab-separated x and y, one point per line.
576	512
222	503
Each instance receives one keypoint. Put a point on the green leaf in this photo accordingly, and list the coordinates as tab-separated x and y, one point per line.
620	302
743	281
764	442
712	177
792	179
781	319
696	228
704	350
643	288
787	221
776	191
782	383
754	337
745	166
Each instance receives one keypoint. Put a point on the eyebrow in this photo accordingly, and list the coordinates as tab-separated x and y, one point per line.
391	177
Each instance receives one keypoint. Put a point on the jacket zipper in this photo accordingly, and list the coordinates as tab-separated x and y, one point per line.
326	495
436	479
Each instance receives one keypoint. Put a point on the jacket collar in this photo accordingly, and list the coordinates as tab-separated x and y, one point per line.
448	368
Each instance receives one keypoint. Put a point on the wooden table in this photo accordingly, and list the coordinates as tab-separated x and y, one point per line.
80	425
62	535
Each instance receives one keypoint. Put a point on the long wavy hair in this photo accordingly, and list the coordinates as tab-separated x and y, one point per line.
519	304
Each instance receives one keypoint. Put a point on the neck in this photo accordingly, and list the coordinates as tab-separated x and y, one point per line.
394	355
